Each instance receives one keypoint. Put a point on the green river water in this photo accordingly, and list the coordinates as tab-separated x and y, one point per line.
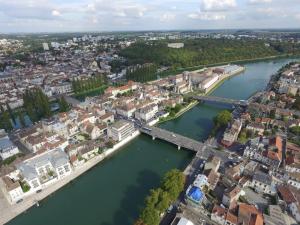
112	193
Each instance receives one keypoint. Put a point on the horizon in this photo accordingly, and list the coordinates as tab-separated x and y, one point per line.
70	16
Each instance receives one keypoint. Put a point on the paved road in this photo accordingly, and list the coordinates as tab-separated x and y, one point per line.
222	100
177	139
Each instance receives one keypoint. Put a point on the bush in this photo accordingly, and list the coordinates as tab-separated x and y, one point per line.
25	187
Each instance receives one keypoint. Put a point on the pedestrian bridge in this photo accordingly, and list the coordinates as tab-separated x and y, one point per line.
216	99
171	137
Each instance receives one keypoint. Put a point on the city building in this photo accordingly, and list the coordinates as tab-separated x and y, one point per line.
120	130
7	148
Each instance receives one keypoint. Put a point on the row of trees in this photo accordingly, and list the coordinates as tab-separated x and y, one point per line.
144	73
5	122
159	199
36	104
94	82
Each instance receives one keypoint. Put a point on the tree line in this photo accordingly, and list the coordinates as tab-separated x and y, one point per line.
160	199
36	104
202	52
94	82
144	73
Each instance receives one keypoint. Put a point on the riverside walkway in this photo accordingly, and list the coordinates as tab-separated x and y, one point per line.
176	139
216	99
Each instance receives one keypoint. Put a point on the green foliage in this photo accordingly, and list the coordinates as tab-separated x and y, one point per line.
11	114
296	104
21	118
36	104
202	52
5	122
159	199
243	137
110	144
9	160
63	105
144	73
25	187
80	86
222	119
295	130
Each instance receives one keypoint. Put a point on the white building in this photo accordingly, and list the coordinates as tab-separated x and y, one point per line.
46	46
45	168
121	130
7	148
208	82
13	189
175	45
295	210
147	113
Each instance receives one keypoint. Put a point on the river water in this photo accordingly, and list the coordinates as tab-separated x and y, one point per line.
113	192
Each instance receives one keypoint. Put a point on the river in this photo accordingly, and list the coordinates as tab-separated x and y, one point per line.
113	192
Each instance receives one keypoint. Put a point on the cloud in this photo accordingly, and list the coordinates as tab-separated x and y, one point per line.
167	17
207	16
259	1
217	5
55	13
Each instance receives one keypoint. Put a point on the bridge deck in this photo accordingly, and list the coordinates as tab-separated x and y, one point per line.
174	138
222	100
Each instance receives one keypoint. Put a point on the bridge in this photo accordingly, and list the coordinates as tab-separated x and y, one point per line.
171	137
216	99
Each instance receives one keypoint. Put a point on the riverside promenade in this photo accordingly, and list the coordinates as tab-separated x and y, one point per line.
8	211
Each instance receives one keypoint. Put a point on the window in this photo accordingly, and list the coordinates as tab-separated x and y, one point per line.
60	171
67	168
35	184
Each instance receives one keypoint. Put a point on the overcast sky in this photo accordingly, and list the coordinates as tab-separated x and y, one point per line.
114	15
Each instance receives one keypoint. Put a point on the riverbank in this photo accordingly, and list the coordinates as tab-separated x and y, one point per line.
185	109
242	61
8	211
210	90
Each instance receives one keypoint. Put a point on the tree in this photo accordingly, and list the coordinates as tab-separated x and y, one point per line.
5	122
159	199
21	119
139	222
150	216
223	118
11	114
296	104
36	104
173	183
63	105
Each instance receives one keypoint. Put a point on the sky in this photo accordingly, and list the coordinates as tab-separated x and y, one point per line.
134	15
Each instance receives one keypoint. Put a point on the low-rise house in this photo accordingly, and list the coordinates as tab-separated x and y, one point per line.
94	130
13	189
126	110
7	148
256	128
262	182
231	134
146	113
231	195
107	118
194	196
200	181
269	154
218	215
275	217
248	214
